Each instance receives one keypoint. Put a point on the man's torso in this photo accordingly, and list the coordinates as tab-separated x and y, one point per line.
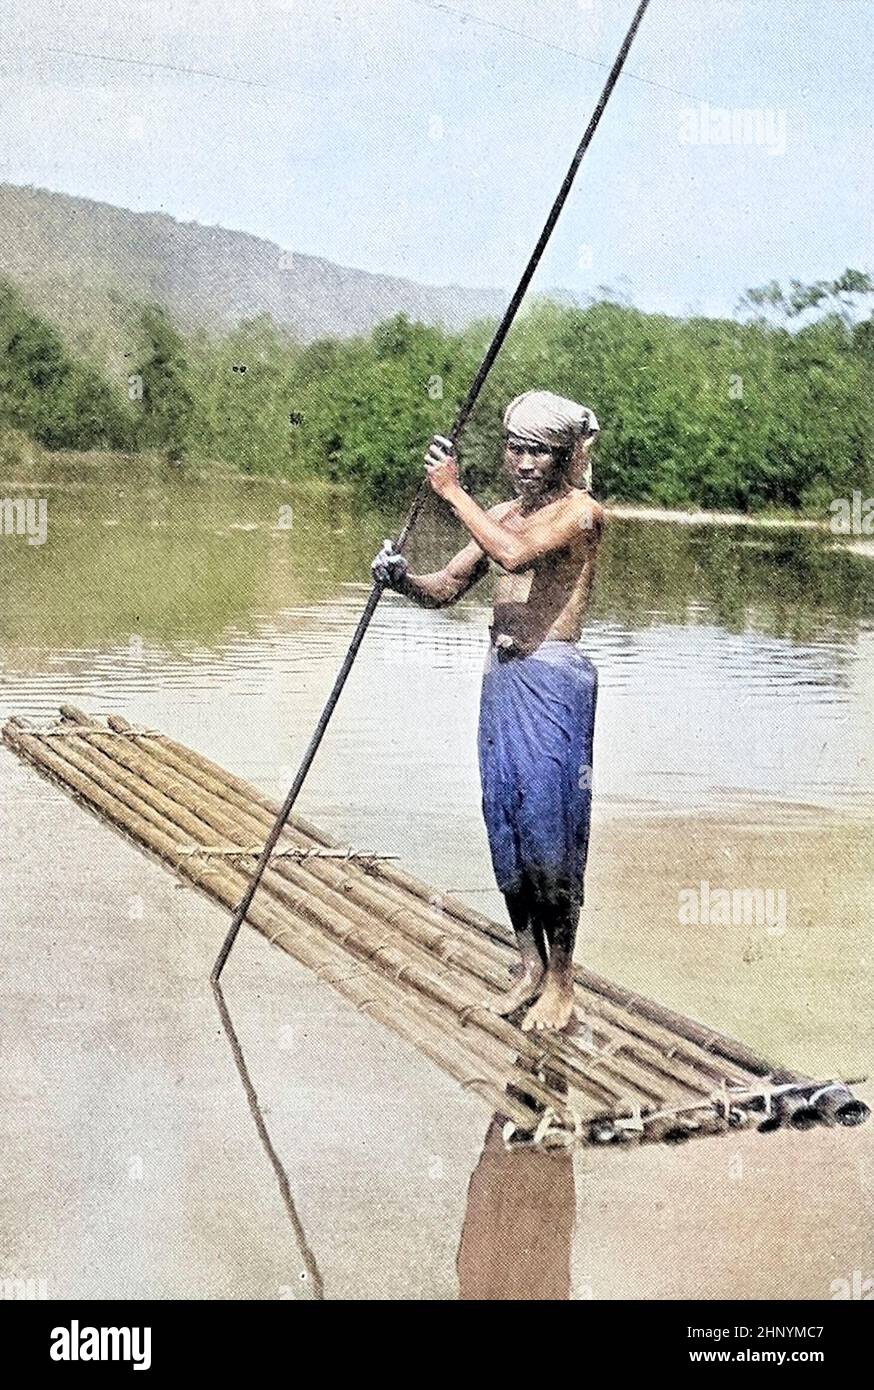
549	600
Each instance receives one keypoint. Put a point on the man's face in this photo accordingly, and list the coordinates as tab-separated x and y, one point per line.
532	466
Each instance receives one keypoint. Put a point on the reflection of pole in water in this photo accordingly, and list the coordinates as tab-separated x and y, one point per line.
309	1275
519	1222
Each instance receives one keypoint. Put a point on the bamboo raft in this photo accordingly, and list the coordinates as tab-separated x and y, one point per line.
424	964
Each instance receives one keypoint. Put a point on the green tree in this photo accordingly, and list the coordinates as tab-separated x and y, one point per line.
44	391
245	404
166	404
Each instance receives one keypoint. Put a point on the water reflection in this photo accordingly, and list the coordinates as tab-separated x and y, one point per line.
181	558
310	1278
518	1230
788	584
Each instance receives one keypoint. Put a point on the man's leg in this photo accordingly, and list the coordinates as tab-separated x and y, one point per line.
558	915
532	949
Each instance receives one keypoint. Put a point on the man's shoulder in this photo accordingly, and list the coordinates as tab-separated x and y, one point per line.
577	502
587	509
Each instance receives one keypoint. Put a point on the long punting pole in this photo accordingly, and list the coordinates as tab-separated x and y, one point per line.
460	421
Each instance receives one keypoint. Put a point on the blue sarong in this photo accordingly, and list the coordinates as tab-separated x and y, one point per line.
537	718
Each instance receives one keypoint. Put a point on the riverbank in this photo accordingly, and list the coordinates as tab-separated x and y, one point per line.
27	466
24	464
632	511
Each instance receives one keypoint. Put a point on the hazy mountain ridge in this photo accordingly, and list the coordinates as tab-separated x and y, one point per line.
82	263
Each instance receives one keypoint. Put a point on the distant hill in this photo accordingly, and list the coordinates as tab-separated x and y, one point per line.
83	264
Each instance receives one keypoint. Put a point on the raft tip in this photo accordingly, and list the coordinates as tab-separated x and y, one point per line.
853	1112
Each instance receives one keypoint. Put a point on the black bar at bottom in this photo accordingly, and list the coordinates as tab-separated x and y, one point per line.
266	1338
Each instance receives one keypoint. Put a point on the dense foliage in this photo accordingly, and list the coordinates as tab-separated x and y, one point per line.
749	414
773	409
60	402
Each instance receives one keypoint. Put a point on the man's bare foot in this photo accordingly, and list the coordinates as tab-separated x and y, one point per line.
522	991
554	1009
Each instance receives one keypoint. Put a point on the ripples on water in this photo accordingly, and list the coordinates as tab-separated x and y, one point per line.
726	667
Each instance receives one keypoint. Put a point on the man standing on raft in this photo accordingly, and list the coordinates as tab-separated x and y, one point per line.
539	690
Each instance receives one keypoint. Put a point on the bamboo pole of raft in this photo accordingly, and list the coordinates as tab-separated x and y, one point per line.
663	1052
241	794
389	1004
709	1040
678	1072
648	1080
150	808
151	747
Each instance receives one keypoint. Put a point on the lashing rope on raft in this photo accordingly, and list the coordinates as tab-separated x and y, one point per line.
345	856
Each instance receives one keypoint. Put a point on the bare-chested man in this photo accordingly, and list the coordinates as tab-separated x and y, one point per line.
539	690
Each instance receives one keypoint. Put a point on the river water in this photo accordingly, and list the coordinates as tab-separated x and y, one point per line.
732	662
736	681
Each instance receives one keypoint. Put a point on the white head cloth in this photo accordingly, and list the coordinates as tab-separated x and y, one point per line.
562	424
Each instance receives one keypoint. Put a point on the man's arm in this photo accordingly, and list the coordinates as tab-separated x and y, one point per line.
441	588
448	585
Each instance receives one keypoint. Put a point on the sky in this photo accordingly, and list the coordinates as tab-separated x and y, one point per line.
428	140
